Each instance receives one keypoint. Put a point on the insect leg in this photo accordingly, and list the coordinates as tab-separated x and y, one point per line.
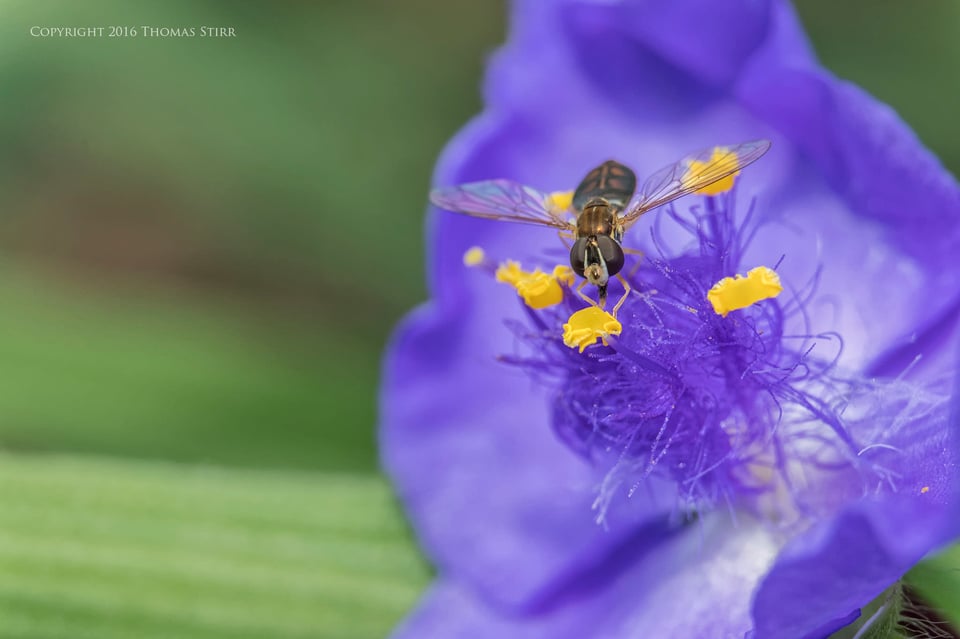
639	254
566	236
583	295
626	291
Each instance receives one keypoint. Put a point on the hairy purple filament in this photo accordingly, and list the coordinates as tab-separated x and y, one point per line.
727	408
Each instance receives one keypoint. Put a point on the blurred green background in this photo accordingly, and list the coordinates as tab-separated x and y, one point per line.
188	408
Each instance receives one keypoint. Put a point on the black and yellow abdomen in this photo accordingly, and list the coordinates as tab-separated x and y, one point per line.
611	181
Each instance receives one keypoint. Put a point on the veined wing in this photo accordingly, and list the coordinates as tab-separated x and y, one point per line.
692	174
501	200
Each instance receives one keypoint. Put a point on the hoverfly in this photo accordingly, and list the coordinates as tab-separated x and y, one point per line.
605	204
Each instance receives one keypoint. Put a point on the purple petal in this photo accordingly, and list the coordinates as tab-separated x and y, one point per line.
843	563
697	585
835	570
874	162
868	155
685	34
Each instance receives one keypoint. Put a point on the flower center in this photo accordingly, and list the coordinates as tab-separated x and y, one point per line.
678	385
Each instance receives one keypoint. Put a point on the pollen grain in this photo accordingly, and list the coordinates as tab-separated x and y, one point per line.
474	256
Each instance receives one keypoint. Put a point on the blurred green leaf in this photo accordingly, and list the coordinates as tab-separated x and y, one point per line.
309	136
181	378
106	549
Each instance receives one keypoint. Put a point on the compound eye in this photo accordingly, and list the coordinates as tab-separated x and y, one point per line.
611	253
577	254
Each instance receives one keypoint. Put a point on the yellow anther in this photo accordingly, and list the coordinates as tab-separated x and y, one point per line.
587	325
564	274
538	289
474	256
924	490
722	160
733	293
560	201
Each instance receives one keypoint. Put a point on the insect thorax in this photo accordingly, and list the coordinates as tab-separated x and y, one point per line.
597	218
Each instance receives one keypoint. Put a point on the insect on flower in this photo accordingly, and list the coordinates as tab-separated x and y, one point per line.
605	205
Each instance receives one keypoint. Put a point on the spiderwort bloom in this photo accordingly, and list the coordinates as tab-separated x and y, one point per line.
770	471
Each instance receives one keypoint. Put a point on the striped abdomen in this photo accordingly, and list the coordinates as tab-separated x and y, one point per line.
611	181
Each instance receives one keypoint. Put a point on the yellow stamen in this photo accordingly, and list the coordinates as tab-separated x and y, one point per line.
586	325
564	274
924	490
560	201
733	293
721	160
538	289
474	256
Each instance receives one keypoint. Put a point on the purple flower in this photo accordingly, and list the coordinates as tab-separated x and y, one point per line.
770	472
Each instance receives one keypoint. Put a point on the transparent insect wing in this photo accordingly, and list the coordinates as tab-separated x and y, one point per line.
500	200
691	174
